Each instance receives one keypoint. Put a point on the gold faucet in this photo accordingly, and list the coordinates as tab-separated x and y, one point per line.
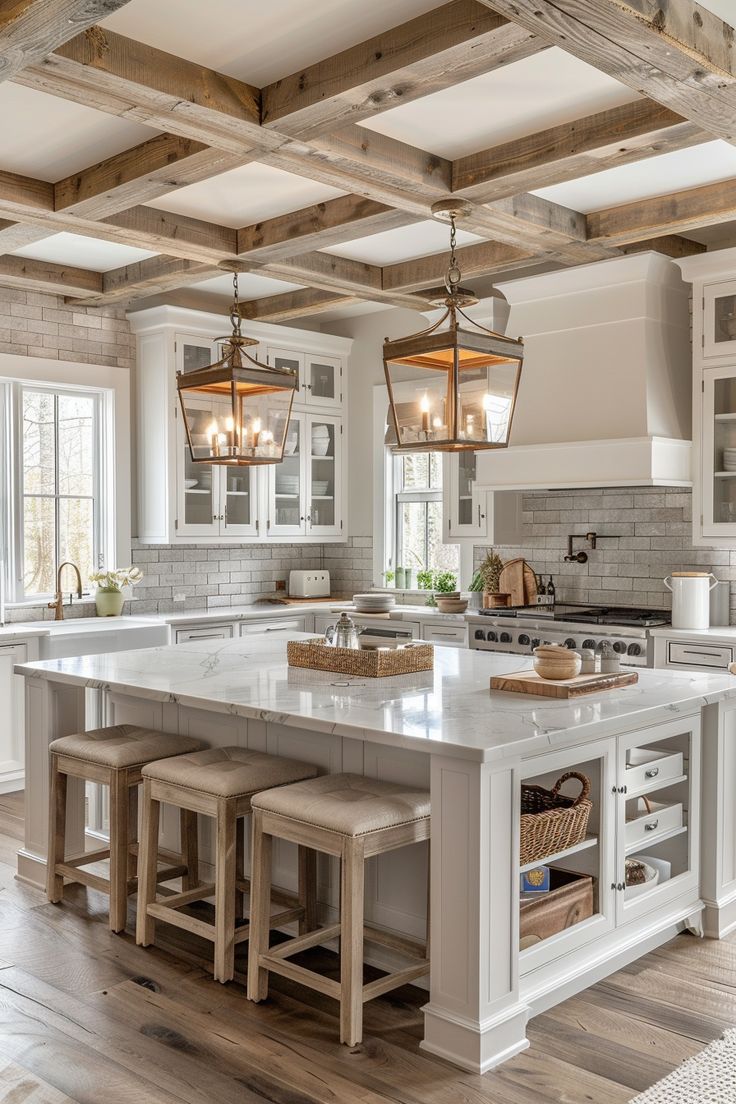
58	602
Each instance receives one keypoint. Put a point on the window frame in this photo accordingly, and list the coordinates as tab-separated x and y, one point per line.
401	495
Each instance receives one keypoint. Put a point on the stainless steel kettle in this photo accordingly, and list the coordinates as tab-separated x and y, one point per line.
344	634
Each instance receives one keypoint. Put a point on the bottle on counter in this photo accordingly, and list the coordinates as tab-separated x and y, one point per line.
551	592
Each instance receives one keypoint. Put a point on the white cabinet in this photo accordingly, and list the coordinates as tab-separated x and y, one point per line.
12	702
223	631
284	625
445	633
472	511
305	491
303	498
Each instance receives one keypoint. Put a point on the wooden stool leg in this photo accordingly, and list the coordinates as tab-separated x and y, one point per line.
119	848
351	942
260	909
307	889
189	848
239	867
147	865
57	831
225	891
132	831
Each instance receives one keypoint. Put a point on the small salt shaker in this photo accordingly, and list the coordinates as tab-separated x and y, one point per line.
588	657
610	662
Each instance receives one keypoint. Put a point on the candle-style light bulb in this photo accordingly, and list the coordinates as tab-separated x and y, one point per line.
424	408
230	427
256	431
214	439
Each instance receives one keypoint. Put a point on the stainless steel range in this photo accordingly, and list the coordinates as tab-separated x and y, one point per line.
519	631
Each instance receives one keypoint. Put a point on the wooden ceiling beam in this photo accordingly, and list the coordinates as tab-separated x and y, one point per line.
677	53
120	76
618	136
481	259
31	29
293	304
442	47
675	213
323	224
21	272
148	277
340	274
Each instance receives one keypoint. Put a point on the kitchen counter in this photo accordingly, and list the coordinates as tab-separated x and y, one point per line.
445	731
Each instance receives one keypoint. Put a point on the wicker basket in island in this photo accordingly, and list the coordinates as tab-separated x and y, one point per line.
551	822
315	655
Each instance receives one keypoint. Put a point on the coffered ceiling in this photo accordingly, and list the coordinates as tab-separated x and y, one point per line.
309	142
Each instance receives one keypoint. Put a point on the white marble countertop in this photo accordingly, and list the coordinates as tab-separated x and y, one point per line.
24	630
713	634
449	710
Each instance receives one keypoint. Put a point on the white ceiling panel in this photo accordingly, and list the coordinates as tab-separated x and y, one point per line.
350	310
246	195
257	42
250	286
530	95
724	9
80	252
403	244
671	172
49	138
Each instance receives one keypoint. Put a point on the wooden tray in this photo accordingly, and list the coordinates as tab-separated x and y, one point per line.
315	655
518	579
529	682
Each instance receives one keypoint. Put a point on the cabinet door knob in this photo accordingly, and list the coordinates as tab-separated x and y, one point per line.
651	825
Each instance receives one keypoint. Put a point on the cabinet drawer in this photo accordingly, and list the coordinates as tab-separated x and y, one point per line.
206	632
644	825
293	624
699	655
648	765
452	635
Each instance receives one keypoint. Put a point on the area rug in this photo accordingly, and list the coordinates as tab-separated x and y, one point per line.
706	1078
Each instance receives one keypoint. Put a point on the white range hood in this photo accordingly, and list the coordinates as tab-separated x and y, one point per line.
605	393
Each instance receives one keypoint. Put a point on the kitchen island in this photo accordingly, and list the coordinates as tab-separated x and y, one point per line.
664	739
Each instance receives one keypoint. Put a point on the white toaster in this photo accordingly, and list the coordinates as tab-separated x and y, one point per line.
309	584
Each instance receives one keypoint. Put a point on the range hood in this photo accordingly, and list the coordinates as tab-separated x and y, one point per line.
605	394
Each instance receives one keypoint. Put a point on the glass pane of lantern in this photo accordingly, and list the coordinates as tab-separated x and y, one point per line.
423	419
263	421
485	400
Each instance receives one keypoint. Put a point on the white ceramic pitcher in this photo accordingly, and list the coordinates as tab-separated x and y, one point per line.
690	598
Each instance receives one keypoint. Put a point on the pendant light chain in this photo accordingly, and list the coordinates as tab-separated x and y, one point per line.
453	277
235	309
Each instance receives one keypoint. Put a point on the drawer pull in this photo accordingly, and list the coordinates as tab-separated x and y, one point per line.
695	651
652	772
651	825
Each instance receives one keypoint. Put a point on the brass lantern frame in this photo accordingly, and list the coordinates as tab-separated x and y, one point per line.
237	376
423	350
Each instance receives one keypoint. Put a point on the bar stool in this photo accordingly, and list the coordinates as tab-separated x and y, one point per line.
112	756
353	818
218	783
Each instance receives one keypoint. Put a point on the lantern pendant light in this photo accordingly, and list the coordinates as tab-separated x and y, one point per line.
468	376
244	417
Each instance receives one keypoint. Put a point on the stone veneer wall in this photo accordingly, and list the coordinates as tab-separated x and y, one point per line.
33	323
652	527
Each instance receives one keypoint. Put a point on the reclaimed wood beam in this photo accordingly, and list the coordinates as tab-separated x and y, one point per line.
31	29
120	76
675	213
293	304
21	272
618	136
148	277
442	47
323	224
481	259
673	51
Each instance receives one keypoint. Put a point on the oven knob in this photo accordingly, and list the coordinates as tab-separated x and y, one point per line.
479	634
634	649
535	642
523	638
589	644
505	638
620	647
569	643
491	636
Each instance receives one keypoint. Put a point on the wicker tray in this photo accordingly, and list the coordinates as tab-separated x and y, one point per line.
551	822
366	662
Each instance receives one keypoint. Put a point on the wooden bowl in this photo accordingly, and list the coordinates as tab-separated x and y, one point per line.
553	661
451	605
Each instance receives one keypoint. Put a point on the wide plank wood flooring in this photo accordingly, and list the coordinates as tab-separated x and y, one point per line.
87	1016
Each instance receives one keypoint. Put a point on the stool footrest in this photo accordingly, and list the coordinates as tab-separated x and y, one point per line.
393	981
179	920
299	973
188	897
304	942
89	857
85	877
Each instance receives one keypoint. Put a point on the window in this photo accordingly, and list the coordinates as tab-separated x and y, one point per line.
417	480
55	485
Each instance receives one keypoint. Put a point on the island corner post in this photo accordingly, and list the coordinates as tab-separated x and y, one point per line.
480	999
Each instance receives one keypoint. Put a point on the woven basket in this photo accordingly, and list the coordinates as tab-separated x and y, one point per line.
315	655
551	822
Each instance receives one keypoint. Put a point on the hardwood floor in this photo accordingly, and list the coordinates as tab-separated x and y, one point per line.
87	1016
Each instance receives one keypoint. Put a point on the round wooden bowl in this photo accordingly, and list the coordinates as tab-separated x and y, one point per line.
451	605
553	661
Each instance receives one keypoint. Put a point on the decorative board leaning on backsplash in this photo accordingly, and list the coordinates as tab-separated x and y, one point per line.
652	527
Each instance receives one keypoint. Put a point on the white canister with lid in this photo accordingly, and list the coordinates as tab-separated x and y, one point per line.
690	598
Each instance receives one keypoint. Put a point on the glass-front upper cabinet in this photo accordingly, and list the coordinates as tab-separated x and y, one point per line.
323	380
287	512
324	473
238	500
464	504
193	352
198	505
288	361
719	319
719	452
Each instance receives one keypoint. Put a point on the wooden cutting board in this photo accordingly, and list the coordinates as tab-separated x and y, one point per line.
279	599
519	580
529	682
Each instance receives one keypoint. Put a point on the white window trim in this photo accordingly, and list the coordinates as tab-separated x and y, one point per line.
113	385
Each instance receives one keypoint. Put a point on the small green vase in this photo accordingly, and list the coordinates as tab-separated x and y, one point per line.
109	602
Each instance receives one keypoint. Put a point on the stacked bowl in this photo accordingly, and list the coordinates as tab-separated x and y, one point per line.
729	459
374	603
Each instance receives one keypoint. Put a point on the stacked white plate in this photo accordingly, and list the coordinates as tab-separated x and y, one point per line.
729	459
374	603
287	484
320	440
320	487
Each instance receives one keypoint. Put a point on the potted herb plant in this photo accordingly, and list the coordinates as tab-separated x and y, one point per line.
490	573
109	595
476	591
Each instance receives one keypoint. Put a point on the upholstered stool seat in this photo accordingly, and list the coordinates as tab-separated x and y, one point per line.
220	783
112	756
353	818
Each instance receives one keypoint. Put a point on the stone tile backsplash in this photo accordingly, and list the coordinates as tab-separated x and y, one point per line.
645	533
